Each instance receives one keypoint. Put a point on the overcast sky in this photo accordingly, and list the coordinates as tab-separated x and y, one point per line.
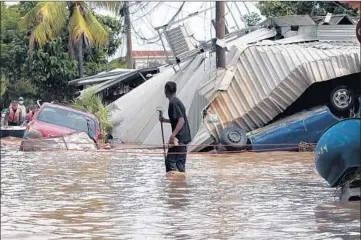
147	15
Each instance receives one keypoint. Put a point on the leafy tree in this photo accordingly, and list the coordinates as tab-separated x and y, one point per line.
45	72
114	29
276	9
48	20
252	19
12	57
97	58
51	69
353	5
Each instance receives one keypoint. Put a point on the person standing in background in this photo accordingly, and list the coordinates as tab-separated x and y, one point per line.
22	108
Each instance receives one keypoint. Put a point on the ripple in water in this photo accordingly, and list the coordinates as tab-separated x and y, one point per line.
63	195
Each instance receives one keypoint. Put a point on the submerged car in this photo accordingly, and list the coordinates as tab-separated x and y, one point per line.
337	157
283	135
53	120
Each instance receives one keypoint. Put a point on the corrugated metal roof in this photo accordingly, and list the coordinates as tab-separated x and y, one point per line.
255	36
336	33
104	85
158	53
336	19
99	78
286	21
355	19
292	40
260	81
268	79
137	119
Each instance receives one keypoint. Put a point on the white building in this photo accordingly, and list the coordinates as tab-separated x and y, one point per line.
145	59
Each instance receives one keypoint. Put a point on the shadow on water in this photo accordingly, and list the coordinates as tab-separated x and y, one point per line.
63	195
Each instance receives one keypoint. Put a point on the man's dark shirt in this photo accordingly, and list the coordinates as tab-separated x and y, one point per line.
177	110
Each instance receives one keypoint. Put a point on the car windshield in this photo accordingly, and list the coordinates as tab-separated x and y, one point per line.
69	119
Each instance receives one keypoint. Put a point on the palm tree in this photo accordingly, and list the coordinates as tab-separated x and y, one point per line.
48	19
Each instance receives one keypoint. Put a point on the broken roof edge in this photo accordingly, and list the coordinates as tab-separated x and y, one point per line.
104	85
288	20
100	75
76	82
340	16
302	38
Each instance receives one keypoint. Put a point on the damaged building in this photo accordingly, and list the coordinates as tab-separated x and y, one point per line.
268	69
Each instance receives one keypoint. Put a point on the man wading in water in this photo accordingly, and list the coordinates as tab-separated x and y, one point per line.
177	152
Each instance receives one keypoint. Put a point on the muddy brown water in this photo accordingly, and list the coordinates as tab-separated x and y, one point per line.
67	195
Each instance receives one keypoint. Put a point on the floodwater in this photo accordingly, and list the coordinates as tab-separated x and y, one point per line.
73	195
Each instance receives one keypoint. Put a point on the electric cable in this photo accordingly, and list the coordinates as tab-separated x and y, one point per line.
155	7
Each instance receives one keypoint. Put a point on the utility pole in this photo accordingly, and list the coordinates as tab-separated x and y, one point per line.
129	34
220	34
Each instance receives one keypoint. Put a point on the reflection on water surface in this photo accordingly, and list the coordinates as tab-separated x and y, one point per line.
66	195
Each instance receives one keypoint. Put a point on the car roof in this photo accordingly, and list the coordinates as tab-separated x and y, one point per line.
68	108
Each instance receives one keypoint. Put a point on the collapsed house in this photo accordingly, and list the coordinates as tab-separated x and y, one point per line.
267	70
114	84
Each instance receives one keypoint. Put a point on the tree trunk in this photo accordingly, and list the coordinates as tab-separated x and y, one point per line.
80	58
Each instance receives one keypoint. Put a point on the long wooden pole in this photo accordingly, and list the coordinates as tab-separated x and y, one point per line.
220	33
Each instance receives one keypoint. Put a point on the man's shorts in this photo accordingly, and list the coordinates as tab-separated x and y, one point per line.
176	158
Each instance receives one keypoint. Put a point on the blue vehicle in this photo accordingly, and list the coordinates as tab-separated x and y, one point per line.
338	154
285	134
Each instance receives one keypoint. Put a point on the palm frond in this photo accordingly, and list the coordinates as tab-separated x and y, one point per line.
112	6
46	20
78	27
100	35
83	24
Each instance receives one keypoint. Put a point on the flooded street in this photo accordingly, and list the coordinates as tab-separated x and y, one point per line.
68	195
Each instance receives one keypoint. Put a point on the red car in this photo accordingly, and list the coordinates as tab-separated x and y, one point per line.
53	120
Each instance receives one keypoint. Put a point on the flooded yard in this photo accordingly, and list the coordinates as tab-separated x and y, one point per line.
75	195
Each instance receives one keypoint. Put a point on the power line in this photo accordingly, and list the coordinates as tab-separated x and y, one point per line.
150	40
189	13
156	6
176	14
